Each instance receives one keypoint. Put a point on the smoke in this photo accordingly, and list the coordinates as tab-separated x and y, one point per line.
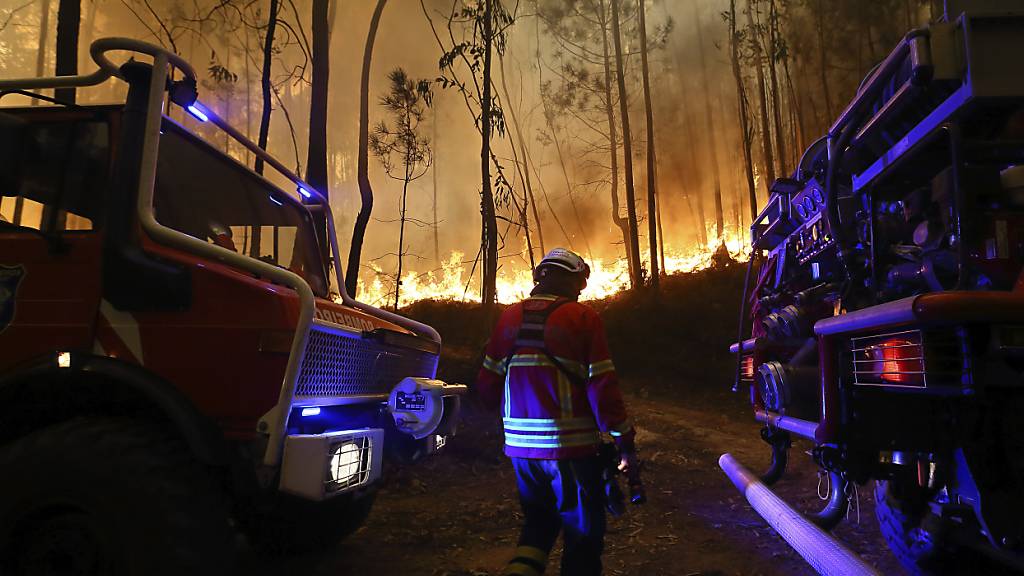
682	101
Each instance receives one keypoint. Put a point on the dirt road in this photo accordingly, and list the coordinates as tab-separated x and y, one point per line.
457	514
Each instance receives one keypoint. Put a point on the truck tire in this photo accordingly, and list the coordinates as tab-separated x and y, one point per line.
296	526
97	496
906	524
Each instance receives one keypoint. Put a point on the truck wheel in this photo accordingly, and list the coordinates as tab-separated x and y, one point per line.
914	535
905	523
101	496
297	526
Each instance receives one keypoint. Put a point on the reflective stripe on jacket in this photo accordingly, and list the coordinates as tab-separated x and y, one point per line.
548	414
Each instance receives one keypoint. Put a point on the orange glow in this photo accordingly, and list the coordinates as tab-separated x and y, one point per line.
515	279
898	360
747	368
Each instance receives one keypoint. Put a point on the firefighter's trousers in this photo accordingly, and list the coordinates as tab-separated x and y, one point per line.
560	495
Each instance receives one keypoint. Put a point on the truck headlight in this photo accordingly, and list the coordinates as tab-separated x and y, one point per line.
345	460
319	466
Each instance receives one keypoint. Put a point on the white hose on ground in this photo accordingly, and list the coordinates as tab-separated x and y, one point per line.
820	549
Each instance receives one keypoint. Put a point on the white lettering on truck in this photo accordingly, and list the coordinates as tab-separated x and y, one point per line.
349	321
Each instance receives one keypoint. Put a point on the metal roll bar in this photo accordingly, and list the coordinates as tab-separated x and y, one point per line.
274	423
802	428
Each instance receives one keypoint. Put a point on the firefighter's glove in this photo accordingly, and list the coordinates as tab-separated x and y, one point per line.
630	465
628	462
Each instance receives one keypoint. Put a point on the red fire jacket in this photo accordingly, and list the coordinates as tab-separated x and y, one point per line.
546	413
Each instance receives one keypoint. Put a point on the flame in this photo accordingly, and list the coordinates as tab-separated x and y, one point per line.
452	281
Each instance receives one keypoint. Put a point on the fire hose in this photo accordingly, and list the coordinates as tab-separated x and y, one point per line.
822	551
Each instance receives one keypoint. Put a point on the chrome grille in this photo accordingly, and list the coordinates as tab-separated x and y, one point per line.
340	364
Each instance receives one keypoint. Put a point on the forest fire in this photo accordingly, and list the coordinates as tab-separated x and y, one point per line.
816	203
452	281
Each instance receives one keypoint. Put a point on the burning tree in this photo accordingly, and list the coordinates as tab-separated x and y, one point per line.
404	153
585	91
477	30
627	145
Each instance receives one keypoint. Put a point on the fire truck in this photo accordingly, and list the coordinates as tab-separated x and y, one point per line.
172	363
885	307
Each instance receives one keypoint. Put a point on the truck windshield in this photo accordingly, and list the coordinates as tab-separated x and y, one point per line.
53	176
207	195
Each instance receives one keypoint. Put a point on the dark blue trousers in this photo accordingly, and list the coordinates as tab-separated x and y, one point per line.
560	496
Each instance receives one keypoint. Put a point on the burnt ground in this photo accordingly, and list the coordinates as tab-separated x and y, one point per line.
457	513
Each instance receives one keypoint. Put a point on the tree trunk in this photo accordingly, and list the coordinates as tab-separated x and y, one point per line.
529	159
681	174
268	53
401	231
488	290
732	191
69	16
627	148
44	33
523	169
766	133
44	36
362	162
265	85
227	99
698	192
547	200
433	175
823	60
652	194
88	28
773	77
248	94
661	234
817	125
568	183
316	157
712	151
613	140
794	97
549	120
744	113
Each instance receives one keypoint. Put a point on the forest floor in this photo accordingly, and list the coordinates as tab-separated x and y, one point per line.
457	513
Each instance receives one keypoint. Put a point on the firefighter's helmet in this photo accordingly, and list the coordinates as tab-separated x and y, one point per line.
566	260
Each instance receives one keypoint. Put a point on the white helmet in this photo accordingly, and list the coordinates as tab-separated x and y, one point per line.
564	259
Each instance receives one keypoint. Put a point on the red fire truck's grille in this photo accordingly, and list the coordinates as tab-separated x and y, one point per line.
337	365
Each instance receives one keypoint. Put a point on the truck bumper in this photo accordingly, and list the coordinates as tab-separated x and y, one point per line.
321	466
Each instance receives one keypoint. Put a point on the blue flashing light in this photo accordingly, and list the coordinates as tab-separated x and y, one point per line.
311	411
194	110
305	193
276	201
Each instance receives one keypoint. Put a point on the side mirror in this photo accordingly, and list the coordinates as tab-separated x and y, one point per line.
12	139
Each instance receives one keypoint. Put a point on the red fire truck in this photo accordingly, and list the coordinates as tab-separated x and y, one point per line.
886	314
171	362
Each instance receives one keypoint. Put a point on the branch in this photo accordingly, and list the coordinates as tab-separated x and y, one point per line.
10	15
170	38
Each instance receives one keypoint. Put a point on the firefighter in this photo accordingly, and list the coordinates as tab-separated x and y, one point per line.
547	366
221	235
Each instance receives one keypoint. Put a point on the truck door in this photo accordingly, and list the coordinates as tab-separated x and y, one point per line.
53	174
